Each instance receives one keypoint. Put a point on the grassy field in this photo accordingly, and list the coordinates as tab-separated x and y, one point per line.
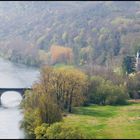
107	121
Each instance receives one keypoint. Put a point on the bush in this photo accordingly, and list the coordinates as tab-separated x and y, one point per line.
117	95
59	130
94	83
64	131
30	122
38	109
105	92
133	85
40	131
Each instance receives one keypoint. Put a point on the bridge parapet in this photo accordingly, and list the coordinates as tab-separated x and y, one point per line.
19	90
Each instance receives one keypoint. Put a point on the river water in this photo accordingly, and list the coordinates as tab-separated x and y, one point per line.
13	76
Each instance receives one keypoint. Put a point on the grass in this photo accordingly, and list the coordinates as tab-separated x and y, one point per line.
107	122
60	65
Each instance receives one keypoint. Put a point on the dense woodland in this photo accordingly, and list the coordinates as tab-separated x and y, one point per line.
80	33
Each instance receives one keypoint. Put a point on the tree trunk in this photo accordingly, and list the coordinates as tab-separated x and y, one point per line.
66	102
70	104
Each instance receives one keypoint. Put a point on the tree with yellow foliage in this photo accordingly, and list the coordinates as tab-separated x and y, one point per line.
65	85
58	90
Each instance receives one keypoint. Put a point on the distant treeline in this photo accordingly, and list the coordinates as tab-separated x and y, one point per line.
78	33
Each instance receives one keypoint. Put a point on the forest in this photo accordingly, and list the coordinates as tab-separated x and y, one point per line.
77	33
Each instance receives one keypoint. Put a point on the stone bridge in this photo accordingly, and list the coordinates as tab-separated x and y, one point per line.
21	91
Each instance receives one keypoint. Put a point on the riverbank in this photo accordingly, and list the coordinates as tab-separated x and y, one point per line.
109	122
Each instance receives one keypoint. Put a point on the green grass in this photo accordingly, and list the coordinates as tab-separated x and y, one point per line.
62	65
107	121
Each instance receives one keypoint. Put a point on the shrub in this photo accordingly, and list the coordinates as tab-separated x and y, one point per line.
38	109
59	130
133	85
40	131
30	122
105	92
64	131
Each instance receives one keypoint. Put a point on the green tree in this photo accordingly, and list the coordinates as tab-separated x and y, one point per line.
133	85
65	37
30	121
105	92
129	64
38	107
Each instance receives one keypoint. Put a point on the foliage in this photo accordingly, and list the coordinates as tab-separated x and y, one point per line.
38	107
129	64
40	131
64	131
65	84
105	92
136	47
58	89
59	131
31	121
72	27
133	85
61	54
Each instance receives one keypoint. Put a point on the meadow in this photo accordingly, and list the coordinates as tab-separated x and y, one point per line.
107	122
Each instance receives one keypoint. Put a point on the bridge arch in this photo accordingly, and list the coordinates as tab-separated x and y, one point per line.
21	91
11	99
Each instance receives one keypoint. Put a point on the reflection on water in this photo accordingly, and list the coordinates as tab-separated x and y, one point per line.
13	76
11	99
10	123
10	116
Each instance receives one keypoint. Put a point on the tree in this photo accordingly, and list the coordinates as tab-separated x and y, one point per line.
133	85
30	121
65	37
94	83
66	85
136	48
105	92
60	54
75	86
129	64
38	107
76	55
58	89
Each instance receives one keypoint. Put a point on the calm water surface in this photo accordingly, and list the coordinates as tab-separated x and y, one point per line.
13	76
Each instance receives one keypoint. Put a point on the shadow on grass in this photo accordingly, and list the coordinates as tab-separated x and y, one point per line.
101	111
95	112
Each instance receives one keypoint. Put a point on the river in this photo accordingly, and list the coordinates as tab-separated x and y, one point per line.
13	76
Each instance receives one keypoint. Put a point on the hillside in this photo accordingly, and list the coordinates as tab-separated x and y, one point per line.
99	33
